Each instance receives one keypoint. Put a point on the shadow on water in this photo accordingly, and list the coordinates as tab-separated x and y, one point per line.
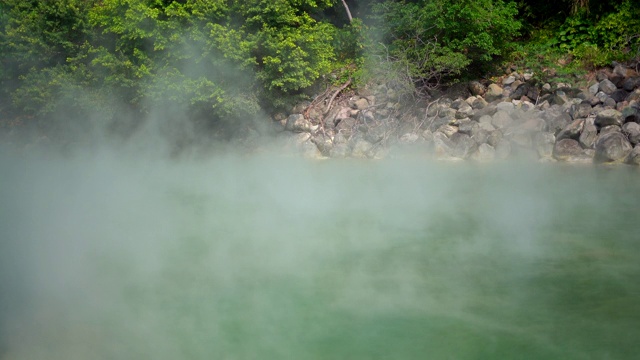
268	258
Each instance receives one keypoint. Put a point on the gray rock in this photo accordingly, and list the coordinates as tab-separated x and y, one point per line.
619	95
298	123
447	130
630	114
485	152
593	89
634	156
375	134
609	129
339	151
323	143
567	150
630	84
479	103
468	126
607	87
480	136
588	135
556	119
579	111
509	80
346	126
409	138
571	131
494	138
463	145
609	117
612	147
464	111
610	103
544	142
503	149
361	149
359	103
632	130
506	106
441	145
501	119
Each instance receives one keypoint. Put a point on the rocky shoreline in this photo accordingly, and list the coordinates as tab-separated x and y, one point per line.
514	116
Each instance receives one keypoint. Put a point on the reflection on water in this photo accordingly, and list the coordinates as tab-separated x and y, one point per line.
255	258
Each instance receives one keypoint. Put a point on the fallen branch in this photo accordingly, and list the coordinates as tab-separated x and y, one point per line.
336	94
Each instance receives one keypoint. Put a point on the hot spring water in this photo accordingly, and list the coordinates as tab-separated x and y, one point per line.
270	258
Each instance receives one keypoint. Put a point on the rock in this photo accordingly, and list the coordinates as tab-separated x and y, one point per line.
441	145
634	156
463	145
505	106
527	76
609	129
501	119
609	102
631	114
359	103
493	93
323	143
361	149
593	89
619	95
485	152
346	126
476	88
544	143
567	150
632	130
464	111
581	110
631	83
609	117
480	136
607	87
509	80
556	119
494	138
375	134
298	123
588	135
447	130
468	127
571	131
503	149
479	103
409	138
339	151
612	147
310	150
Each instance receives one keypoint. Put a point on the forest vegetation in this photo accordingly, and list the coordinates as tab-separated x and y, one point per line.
220	62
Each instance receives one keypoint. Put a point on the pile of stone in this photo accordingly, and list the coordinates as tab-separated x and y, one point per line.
514	117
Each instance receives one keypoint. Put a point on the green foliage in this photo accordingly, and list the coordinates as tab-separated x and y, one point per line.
431	40
598	40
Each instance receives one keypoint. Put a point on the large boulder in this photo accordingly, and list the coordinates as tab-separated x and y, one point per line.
634	156
589	134
632	130
298	123
607	86
609	117
463	145
567	150
612	147
571	131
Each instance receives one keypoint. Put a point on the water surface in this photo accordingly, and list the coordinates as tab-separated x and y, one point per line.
258	257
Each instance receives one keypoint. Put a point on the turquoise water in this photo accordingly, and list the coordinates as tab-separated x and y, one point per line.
269	258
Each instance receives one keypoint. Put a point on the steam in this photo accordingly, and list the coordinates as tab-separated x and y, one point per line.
113	253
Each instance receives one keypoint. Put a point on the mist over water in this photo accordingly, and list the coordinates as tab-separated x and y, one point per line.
104	255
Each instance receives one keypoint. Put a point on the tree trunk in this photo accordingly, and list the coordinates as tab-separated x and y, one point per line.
346	7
